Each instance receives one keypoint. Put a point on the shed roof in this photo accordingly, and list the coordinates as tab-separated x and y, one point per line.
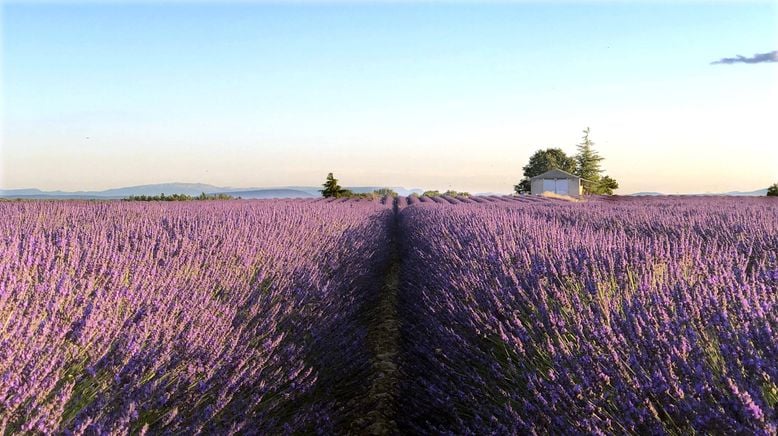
556	173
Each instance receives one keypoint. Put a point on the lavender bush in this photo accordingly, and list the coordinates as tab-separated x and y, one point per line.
219	317
649	316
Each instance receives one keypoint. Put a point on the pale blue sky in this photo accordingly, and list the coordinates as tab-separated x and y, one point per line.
432	95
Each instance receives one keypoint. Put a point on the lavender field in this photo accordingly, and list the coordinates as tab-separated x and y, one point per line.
650	316
218	318
431	315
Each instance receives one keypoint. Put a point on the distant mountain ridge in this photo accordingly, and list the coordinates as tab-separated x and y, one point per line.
646	194
315	190
187	189
248	193
755	193
758	192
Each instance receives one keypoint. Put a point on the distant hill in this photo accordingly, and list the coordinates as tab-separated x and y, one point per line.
314	190
192	189
19	192
271	193
50	196
156	189
489	194
161	188
644	194
756	193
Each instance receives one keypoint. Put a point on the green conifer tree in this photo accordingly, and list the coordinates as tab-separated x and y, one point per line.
332	188
588	164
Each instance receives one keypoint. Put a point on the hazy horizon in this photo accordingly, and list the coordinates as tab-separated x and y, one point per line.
428	95
351	185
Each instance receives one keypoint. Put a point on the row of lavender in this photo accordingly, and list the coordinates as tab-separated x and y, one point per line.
218	317
652	316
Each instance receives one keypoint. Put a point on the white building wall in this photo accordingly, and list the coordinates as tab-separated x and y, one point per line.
559	186
537	187
572	187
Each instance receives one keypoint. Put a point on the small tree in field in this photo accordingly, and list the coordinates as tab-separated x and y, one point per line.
606	185
452	193
332	188
772	191
383	192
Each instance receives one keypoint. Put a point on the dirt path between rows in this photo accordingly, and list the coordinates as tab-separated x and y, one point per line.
384	340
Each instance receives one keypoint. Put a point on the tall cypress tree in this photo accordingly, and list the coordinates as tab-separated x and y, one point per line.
588	163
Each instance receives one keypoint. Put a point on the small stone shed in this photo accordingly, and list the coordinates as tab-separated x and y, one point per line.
558	182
